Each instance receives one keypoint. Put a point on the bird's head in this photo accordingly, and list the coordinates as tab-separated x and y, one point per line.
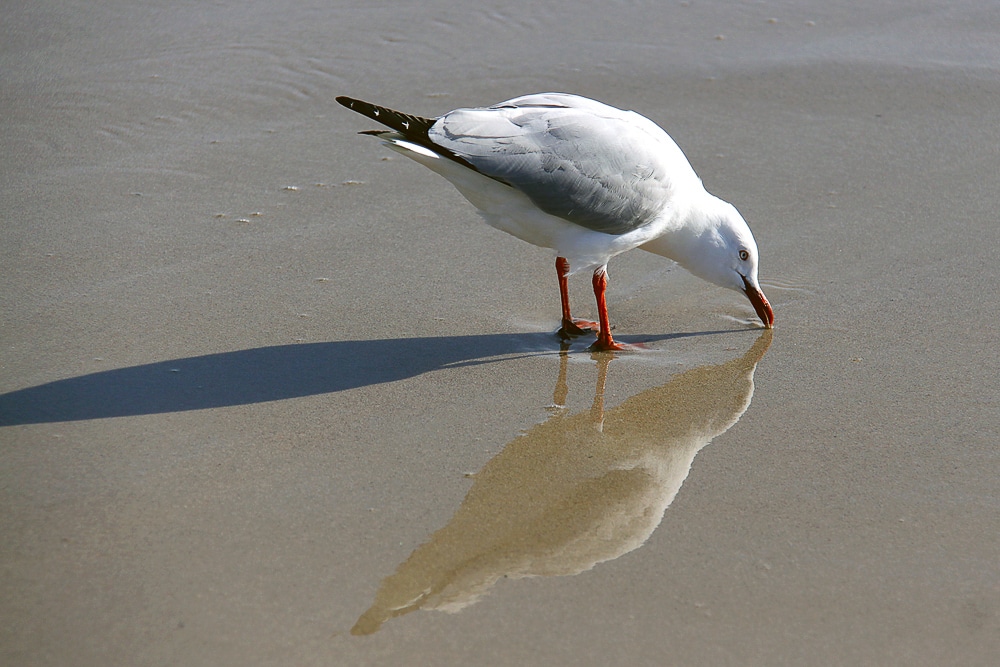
719	247
729	258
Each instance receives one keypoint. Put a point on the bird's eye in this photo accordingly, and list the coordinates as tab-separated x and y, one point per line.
744	255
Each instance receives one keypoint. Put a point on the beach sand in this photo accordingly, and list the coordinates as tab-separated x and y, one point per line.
273	395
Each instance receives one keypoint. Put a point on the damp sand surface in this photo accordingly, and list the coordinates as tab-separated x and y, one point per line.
273	395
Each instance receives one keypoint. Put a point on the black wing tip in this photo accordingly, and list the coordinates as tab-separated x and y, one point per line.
414	127
411	127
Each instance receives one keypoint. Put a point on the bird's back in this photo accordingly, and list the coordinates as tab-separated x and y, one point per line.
599	167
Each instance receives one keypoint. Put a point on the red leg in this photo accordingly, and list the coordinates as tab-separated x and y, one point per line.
570	325
604	340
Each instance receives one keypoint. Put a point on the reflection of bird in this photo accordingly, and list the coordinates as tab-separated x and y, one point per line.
571	492
589	181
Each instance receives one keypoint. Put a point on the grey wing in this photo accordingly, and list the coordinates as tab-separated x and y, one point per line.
588	163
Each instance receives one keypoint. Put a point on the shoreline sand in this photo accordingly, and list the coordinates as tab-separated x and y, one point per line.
250	360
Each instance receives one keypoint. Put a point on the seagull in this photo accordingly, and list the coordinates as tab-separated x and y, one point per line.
586	180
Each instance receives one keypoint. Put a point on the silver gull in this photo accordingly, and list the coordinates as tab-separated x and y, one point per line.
587	180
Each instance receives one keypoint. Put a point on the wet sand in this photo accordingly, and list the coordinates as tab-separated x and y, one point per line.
271	394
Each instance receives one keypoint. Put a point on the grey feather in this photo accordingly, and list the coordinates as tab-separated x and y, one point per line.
591	164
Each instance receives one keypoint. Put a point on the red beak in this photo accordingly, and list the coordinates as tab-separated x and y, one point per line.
760	304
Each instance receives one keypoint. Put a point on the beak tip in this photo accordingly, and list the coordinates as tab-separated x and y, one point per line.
760	304
767	317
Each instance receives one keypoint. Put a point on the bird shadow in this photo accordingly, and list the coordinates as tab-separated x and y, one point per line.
271	373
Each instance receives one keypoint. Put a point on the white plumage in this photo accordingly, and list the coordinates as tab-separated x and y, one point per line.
586	179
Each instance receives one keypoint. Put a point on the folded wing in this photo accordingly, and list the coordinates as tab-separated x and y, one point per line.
578	159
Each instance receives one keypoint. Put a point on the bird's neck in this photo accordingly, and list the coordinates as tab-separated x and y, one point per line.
684	237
